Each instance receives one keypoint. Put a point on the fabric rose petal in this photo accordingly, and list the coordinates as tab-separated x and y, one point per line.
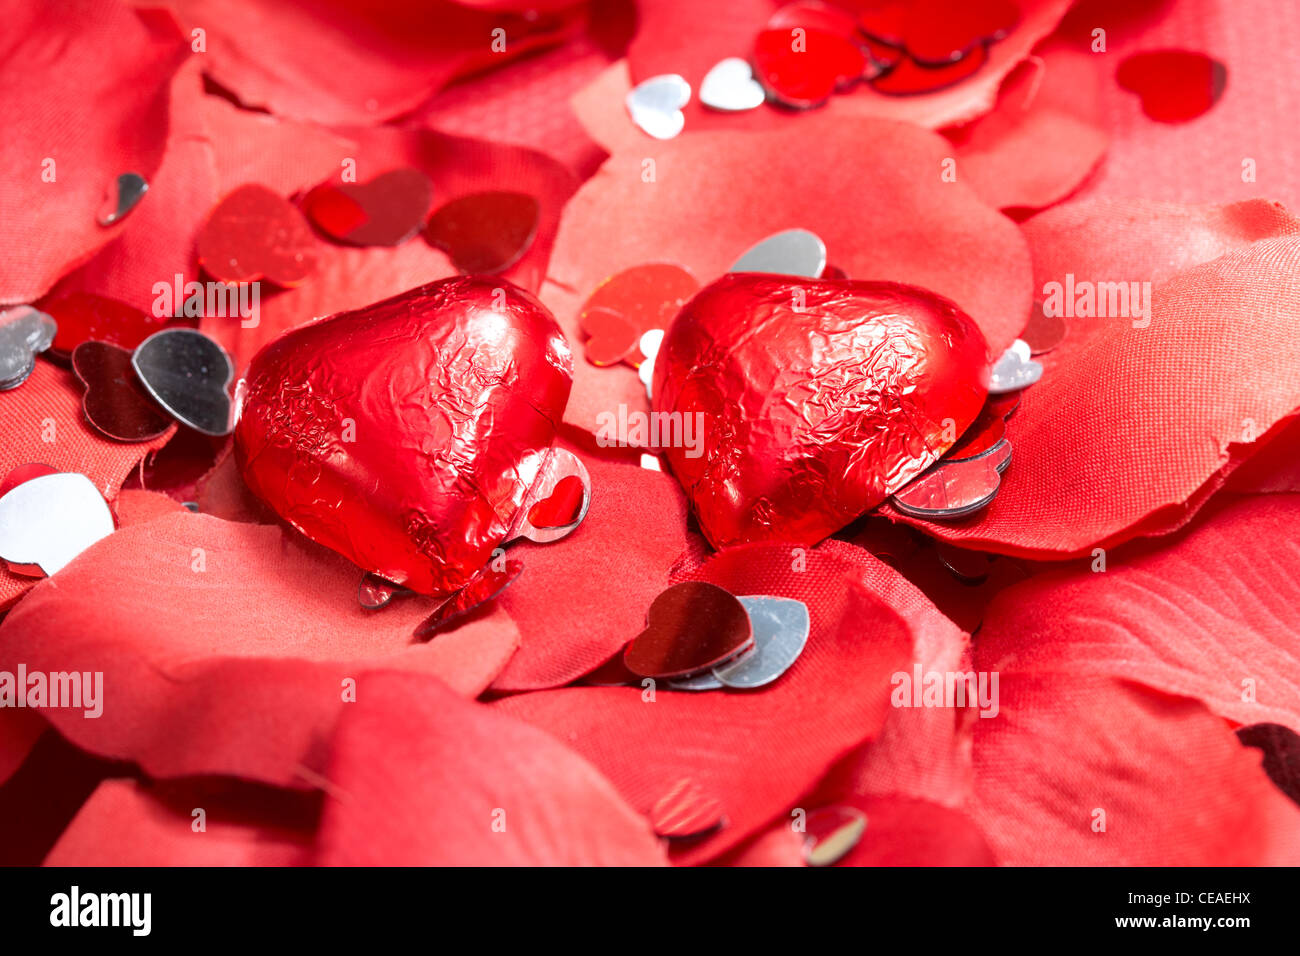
875	196
232	647
422	777
1212	613
134	823
755	751
1152	411
87	117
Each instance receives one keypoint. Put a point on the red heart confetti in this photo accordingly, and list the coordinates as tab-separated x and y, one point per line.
645	297
485	232
1043	332
483	587
563	506
690	627
808	51
115	403
386	211
686	810
253	234
610	337
86	316
1175	85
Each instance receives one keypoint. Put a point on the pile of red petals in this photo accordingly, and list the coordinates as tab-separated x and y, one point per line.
1122	618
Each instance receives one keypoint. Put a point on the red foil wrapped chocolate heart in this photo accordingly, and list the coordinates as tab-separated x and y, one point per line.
807	402
406	434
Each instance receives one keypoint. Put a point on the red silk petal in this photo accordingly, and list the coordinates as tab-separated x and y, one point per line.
712	199
90	83
1124	475
130	823
425	778
240	668
1174	783
1178	618
583	598
738	746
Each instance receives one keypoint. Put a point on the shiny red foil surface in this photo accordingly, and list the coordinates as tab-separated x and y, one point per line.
404	435
817	399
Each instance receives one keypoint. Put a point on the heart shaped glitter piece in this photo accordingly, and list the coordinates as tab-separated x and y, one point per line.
50	519
730	87
386	211
956	489
806	52
115	403
189	375
794	252
1014	370
1175	86
781	627
656	105
686	810
483	587
254	234
24	333
408	435
690	627
485	233
814	399
123	196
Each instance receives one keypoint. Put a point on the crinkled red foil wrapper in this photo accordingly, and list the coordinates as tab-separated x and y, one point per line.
406	434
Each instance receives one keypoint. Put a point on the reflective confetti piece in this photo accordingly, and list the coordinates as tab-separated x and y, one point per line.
987	430
686	810
969	566
647	296
1042	332
831	833
937	32
649	347
656	104
386	211
374	592
1014	370
115	403
49	520
610	337
909	78
956	489
794	252
23	473
188	374
85	316
1175	85
561	481
730	87
780	634
806	52
254	234
483	587
690	627
485	233
123	196
696	682
24	333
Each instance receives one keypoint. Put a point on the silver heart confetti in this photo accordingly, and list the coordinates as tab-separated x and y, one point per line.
781	627
556	465
123	197
955	489
48	521
189	375
1014	370
794	252
24	332
656	104
730	86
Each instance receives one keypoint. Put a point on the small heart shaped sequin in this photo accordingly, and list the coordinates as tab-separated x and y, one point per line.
690	627
560	488
256	234
50	519
686	810
1175	85
85	316
1014	370
938	32
793	252
483	587
24	333
374	592
656	104
831	833
123	196
189	375
610	338
987	430
907	77
645	297
806	52
1043	332
956	489
115	403
730	87
385	211
781	627
485	233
